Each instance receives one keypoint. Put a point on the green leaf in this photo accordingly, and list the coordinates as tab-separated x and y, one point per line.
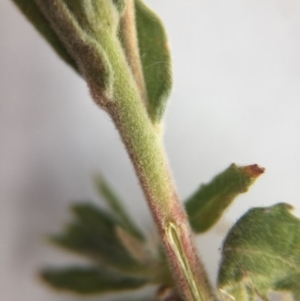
261	253
90	280
87	29
94	234
115	203
32	12
207	204
155	58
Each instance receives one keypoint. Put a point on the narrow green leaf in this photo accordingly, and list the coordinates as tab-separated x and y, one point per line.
90	280
32	12
155	58
94	234
261	253
115	203
207	204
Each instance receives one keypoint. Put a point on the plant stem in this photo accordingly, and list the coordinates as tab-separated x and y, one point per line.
116	84
145	149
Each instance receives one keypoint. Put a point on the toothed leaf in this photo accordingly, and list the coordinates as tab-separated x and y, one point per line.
261	253
90	280
155	58
207	204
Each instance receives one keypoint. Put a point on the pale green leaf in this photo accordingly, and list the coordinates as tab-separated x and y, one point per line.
261	253
155	58
32	12
116	204
82	26
90	280
207	204
83	13
94	234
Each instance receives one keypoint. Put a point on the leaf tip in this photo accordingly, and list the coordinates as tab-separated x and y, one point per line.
46	277
254	170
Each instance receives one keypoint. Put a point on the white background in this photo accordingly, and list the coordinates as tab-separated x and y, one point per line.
236	98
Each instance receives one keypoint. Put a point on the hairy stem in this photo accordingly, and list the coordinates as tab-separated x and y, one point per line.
116	82
145	149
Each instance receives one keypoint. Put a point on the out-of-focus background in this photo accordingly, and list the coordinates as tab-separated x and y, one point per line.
236	98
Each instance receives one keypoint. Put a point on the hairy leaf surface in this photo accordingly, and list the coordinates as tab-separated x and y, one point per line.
207	204
80	31
261	254
155	58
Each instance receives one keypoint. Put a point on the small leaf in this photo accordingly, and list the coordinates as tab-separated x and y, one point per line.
261	253
155	58
32	12
207	204
114	202
90	280
86	28
94	234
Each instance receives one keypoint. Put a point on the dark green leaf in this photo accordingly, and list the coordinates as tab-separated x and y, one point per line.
261	254
94	234
155	58
207	204
114	202
90	280
30	9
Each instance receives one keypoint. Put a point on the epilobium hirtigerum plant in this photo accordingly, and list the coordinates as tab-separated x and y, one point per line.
115	45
